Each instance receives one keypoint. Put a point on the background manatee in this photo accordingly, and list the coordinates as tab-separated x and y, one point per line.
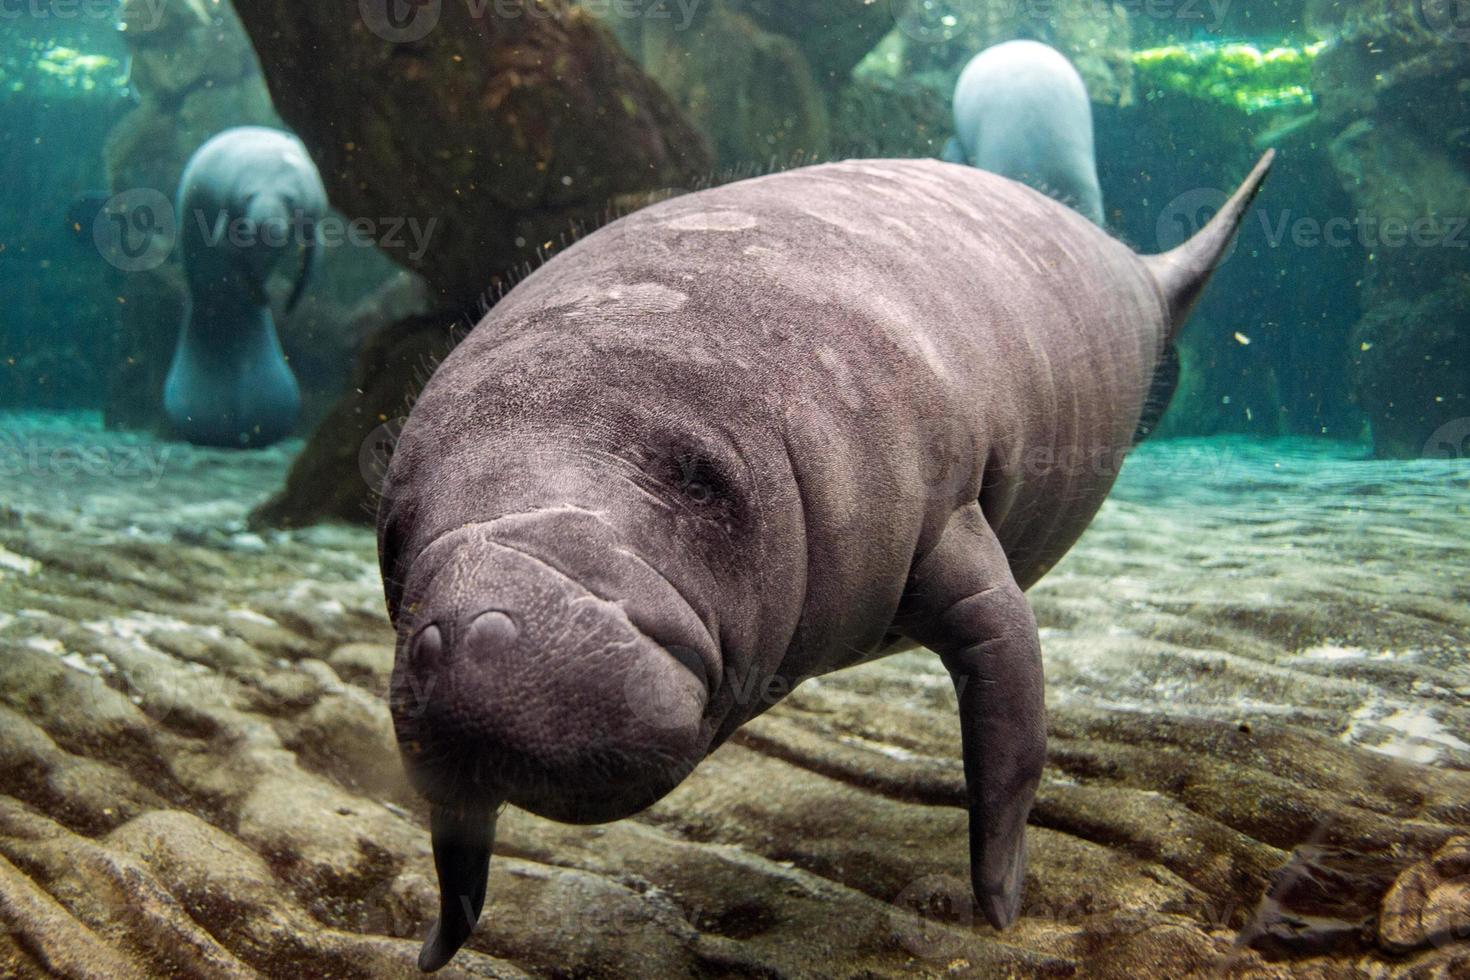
249	198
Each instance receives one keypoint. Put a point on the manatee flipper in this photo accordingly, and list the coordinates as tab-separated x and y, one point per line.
964	604
1160	394
308	268
463	840
954	152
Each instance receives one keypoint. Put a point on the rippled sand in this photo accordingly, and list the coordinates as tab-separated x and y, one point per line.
1259	682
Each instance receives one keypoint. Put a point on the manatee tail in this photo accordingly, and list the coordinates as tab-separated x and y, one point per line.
1183	272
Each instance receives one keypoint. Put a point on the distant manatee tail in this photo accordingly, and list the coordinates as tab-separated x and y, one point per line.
1183	272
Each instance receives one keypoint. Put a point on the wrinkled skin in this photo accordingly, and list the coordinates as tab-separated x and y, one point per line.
249	199
1022	111
744	438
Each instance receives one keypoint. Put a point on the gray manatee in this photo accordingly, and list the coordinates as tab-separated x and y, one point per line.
747	437
1022	111
248	198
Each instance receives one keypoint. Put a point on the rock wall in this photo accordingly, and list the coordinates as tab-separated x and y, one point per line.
504	124
1395	96
771	85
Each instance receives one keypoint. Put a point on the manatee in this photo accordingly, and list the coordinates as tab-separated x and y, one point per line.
744	438
248	198
1022	111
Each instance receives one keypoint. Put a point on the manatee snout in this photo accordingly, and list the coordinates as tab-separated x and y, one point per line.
514	682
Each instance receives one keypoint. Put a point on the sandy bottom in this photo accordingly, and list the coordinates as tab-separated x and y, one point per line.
1259	684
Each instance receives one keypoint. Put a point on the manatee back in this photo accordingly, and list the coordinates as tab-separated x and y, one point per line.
903	322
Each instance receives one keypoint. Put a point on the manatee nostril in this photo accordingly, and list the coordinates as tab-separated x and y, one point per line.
427	652
490	631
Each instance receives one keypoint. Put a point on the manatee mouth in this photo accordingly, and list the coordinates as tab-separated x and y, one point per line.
574	706
612	572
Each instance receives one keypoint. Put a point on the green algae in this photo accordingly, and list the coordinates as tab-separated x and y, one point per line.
1239	75
47	68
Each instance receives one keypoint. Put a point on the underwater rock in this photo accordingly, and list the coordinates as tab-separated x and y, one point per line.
878	116
750	91
337	476
1430	902
1411	372
543	114
1322	900
1217	703
1392	87
834	35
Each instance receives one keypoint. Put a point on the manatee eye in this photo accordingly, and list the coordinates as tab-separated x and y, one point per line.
697	480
